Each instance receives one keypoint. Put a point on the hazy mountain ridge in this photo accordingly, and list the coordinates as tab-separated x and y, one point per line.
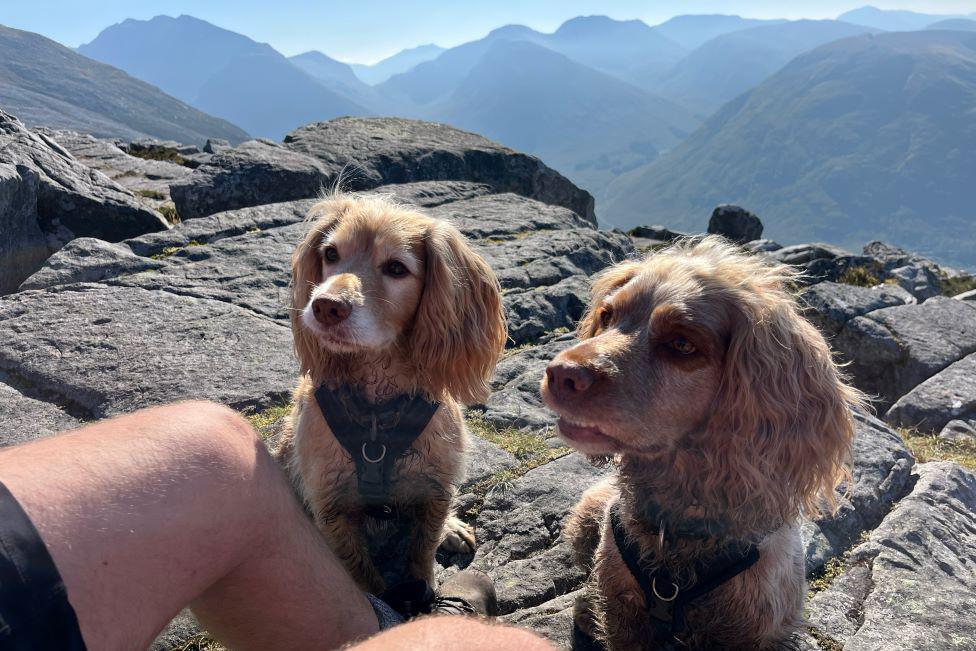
518	94
896	20
730	64
48	84
225	73
395	64
871	136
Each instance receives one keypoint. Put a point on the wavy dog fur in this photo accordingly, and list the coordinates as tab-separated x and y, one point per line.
439	332
750	429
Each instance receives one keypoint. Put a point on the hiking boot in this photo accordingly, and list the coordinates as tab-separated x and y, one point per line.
469	592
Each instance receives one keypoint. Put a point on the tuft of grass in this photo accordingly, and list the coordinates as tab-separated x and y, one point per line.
528	447
151	194
168	211
929	447
956	285
264	419
171	250
859	276
514	350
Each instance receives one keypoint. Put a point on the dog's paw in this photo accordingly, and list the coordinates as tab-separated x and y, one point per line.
458	537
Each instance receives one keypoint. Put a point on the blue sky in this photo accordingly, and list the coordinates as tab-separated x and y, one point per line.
368	30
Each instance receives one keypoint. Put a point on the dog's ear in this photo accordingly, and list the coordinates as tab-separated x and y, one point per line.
603	285
782	428
306	273
459	329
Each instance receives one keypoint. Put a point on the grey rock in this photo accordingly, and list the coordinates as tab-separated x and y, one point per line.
918	275
515	400
378	151
232	223
553	619
892	350
519	530
148	179
483	458
545	258
251	270
831	305
72	196
24	419
253	173
88	259
216	145
535	311
949	394
881	472
735	224
528	582
265	217
99	351
803	254
23	246
505	216
959	431
762	246
656	232
911	585
524	519
966	296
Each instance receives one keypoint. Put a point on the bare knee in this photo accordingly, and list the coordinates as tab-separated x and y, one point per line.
435	633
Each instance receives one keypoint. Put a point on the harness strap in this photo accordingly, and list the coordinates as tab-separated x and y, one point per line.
665	601
376	436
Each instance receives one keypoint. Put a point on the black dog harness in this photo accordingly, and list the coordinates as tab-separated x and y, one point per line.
375	436
664	600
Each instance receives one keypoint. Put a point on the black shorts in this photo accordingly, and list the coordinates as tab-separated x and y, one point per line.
34	609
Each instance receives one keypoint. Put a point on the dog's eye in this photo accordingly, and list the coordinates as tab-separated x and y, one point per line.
682	345
395	268
606	317
331	254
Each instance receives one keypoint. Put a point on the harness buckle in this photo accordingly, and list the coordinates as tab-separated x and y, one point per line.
369	459
674	595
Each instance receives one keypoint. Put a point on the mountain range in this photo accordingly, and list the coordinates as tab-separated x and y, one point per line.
869	137
221	72
656	121
46	84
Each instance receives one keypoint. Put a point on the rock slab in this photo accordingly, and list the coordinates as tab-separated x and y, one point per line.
912	585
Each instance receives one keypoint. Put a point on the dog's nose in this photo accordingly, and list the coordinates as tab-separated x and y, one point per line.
330	311
567	380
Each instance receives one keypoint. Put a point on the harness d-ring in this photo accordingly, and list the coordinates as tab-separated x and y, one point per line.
657	594
377	459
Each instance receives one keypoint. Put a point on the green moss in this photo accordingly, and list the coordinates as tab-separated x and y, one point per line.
859	276
822	579
824	641
929	447
262	420
171	250
165	253
957	284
